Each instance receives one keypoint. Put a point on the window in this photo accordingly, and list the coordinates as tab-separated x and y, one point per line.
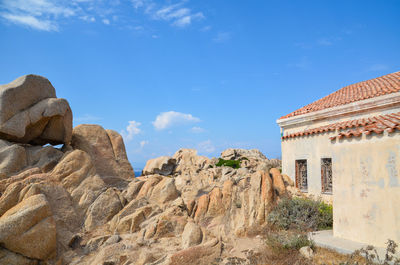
326	175
301	175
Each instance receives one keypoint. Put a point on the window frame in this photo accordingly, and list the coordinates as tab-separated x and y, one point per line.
299	175
324	181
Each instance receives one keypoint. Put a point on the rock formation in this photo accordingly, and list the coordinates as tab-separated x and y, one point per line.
31	113
82	204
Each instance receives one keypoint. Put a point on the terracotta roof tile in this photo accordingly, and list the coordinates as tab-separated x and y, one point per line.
364	90
377	124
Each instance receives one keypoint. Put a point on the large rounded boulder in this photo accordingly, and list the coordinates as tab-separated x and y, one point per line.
106	149
31	113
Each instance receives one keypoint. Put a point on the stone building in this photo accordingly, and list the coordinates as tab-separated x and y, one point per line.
345	148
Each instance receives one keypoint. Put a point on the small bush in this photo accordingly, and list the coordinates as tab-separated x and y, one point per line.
371	255
287	240
301	214
228	163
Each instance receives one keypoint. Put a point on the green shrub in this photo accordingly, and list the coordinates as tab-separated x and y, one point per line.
301	214
288	240
229	163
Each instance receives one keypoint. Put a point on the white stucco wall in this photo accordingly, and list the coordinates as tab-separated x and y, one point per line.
366	200
312	148
366	176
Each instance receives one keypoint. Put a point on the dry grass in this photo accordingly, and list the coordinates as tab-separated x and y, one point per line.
323	256
282	257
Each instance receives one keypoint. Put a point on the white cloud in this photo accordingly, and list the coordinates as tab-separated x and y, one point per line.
177	14
143	143
167	119
88	18
38	7
37	14
222	37
187	20
197	130
47	15
131	130
137	3
31	22
206	147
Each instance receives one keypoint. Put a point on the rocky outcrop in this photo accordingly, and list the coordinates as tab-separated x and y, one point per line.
15	158
188	160
29	228
106	149
164	165
103	209
82	205
31	113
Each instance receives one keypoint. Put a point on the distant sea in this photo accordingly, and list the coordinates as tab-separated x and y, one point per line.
138	172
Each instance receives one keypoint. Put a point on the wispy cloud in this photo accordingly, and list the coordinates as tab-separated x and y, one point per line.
377	67
87	118
131	130
36	14
197	130
31	22
328	41
206	147
206	28
167	119
177	14
48	15
222	37
303	63
143	143
324	42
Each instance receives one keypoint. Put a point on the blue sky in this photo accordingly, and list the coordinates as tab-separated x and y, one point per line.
198	74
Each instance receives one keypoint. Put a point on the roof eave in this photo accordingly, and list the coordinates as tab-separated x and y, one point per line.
380	102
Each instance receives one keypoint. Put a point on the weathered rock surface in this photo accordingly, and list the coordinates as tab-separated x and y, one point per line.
11	258
15	158
106	150
12	158
205	254
164	165
188	160
192	235
31	113
103	209
29	228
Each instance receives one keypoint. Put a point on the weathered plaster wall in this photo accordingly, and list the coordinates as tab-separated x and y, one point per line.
312	148
366	188
366	171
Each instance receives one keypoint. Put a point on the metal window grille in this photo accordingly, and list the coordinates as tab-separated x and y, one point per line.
326	175
301	175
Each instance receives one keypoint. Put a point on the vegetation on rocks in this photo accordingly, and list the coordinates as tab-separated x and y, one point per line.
228	163
301	214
